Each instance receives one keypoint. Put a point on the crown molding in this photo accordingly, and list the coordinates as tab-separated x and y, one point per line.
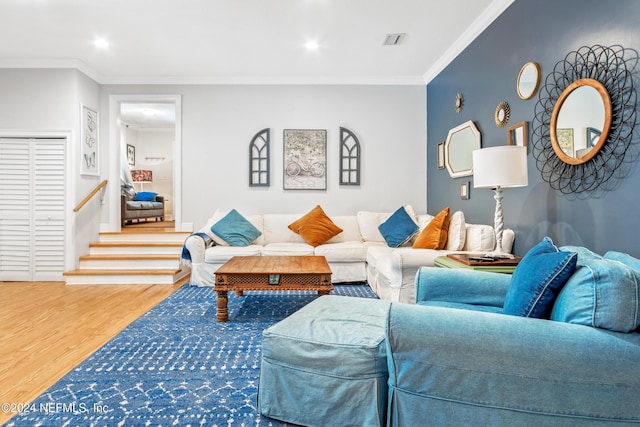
207	80
61	63
265	80
485	19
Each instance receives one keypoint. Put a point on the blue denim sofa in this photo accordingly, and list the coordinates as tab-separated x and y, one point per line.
455	359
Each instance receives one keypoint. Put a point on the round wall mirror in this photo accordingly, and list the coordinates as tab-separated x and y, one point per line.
528	80
502	114
580	121
584	120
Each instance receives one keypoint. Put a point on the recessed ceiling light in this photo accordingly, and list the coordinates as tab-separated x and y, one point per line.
101	43
312	45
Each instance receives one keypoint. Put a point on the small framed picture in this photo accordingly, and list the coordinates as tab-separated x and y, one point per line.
131	154
441	160
464	190
518	134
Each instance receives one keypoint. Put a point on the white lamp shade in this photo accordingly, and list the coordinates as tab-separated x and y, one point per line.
503	166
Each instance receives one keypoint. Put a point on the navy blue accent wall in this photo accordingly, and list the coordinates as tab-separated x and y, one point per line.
485	73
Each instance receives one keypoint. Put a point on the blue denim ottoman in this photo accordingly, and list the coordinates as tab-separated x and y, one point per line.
326	364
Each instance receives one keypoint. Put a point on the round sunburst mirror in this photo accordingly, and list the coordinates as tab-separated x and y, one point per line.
584	120
502	114
458	104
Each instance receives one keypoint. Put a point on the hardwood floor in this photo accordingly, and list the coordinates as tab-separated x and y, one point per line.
47	328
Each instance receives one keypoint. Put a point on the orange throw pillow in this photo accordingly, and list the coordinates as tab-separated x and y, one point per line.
315	227
434	235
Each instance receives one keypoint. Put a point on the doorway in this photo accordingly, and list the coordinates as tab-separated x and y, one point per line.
145	135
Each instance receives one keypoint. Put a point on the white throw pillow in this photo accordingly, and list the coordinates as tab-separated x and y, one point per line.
217	216
480	238
256	220
370	221
457	232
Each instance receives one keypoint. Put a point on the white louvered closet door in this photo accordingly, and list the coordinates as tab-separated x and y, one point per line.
32	209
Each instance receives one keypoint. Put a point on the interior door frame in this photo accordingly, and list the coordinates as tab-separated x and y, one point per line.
114	156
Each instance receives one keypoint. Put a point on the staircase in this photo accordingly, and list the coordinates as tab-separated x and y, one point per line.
145	256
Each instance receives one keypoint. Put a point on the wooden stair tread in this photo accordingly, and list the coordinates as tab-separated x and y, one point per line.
116	257
92	272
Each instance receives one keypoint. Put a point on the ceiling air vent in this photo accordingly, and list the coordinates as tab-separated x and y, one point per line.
393	39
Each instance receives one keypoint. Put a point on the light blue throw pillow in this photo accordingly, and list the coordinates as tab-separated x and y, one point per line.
626	259
235	229
145	196
584	254
537	280
398	228
602	293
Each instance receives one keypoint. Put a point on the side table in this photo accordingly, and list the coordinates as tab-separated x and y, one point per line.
506	266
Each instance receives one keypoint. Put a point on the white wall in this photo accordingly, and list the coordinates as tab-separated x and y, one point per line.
37	99
46	102
218	123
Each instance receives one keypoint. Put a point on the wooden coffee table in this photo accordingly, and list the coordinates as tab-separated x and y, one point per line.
270	273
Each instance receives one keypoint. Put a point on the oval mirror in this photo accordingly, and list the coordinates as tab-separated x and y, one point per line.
580	121
459	146
528	80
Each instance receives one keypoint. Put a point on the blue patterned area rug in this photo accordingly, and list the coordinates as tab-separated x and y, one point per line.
175	365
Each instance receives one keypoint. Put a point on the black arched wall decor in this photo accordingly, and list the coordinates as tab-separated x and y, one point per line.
588	170
259	159
349	158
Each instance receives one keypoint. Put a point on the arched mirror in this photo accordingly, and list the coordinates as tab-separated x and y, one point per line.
582	112
459	146
528	80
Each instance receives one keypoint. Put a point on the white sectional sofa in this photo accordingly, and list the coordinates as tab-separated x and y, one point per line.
359	253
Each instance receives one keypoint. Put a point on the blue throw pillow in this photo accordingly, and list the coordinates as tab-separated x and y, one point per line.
235	229
538	279
145	196
398	228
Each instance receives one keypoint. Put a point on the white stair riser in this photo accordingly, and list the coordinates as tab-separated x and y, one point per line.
131	264
134	279
144	238
135	250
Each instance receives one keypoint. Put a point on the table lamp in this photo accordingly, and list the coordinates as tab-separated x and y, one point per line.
500	167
